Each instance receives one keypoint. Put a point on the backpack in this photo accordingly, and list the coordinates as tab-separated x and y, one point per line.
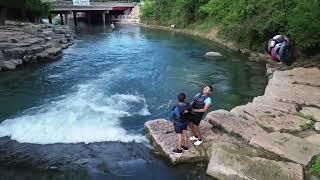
184	112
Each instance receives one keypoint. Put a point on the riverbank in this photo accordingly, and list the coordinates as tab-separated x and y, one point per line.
271	66
272	137
212	36
23	43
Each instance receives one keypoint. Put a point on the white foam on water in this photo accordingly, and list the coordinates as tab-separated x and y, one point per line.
87	115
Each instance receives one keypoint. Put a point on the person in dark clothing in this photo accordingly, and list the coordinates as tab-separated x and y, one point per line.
180	114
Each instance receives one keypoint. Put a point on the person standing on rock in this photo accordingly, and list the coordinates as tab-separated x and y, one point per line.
200	104
112	26
180	114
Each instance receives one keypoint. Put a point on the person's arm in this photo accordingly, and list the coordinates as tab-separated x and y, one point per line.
176	112
206	107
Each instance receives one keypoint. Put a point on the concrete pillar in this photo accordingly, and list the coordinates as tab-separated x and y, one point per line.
50	18
61	19
75	18
104	17
66	18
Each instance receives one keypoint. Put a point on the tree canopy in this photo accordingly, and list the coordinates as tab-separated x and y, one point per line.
248	22
29	8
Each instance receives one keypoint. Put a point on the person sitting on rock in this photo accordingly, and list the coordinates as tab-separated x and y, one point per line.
281	50
180	114
200	104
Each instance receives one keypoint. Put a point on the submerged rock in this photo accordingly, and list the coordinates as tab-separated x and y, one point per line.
213	54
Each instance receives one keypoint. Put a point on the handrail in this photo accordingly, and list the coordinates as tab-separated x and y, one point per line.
92	3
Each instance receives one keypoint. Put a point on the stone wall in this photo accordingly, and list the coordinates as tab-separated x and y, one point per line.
22	43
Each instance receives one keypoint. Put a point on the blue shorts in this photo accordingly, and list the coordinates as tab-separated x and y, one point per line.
180	126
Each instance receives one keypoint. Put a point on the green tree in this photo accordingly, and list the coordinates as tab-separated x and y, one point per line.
304	24
29	8
250	23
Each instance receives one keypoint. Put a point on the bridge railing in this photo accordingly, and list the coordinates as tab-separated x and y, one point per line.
93	3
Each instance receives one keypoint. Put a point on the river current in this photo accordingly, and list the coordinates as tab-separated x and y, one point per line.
82	116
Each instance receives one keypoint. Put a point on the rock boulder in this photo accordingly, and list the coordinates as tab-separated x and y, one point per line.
162	136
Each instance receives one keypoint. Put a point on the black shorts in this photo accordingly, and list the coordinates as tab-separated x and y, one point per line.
180	126
195	119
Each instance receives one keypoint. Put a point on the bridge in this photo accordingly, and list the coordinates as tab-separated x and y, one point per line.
97	9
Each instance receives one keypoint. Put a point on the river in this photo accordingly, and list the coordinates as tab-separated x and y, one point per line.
82	117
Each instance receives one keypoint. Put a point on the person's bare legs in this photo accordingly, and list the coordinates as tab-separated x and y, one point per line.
179	145
197	131
191	126
184	138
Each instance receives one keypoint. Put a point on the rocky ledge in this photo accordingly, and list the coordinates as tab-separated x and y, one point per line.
273	137
28	43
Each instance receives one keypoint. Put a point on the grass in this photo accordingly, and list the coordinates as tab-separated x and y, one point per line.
315	167
308	125
306	116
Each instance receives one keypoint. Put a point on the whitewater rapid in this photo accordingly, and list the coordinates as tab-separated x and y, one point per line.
89	114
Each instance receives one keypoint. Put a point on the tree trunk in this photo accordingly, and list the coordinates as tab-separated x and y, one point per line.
3	14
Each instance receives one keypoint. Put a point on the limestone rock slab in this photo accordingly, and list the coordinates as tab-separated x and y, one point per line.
15	52
289	108
299	86
234	124
287	146
301	76
228	165
270	118
162	136
315	139
9	65
317	126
